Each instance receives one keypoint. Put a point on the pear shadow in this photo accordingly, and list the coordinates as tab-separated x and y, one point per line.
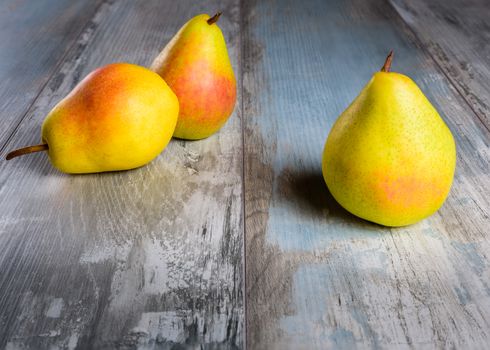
183	141
309	192
40	165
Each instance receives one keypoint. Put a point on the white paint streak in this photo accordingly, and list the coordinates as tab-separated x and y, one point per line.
54	310
167	325
98	254
73	341
155	268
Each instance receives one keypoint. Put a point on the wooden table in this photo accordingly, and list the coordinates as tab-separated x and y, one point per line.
235	241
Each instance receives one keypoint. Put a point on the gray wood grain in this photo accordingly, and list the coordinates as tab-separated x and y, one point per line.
316	276
35	36
149	258
457	36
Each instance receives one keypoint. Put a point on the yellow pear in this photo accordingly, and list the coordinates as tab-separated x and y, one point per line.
121	116
389	157
196	66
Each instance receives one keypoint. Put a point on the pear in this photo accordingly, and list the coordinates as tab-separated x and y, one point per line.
196	66
389	157
121	116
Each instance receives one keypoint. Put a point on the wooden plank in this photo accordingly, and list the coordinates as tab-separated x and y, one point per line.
316	276
457	37
34	38
145	258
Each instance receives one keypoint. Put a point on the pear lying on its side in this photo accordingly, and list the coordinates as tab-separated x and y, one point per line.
195	64
389	157
121	116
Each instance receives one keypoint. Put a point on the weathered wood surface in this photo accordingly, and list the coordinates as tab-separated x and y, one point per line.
456	35
317	277
35	36
152	258
149	258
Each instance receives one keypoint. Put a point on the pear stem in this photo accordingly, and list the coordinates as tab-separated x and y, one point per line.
386	67
27	150
214	19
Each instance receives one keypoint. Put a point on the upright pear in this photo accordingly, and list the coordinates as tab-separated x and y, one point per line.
195	64
121	116
389	157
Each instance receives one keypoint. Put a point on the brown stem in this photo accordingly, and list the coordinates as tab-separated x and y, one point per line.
386	67
27	150
214	19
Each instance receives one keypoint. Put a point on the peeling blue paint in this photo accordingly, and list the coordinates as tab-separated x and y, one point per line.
473	257
464	296
307	316
343	339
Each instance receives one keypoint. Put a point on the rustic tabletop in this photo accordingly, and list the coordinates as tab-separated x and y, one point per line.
234	240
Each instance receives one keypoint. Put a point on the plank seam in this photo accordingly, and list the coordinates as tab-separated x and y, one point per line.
438	65
241	23
53	72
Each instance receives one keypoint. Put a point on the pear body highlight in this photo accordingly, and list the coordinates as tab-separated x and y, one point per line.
389	157
196	65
